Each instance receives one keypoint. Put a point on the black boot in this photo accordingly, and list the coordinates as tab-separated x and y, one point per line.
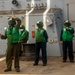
35	64
17	69
72	61
7	70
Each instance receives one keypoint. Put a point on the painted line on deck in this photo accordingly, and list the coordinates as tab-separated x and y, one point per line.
3	58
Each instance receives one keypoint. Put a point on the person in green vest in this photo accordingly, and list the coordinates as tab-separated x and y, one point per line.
66	39
23	37
41	38
12	36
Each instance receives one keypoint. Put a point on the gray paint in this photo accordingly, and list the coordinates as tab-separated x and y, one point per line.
54	49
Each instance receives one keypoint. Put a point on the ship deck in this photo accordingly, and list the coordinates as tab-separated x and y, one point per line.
55	66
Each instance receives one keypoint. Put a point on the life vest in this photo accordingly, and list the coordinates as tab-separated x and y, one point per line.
66	35
22	33
39	35
12	35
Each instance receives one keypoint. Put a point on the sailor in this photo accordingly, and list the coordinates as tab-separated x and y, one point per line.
66	39
23	37
12	36
41	41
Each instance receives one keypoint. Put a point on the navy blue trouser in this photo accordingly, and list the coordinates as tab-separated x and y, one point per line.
41	46
68	45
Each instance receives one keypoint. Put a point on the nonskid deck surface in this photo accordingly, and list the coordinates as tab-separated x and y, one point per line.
55	66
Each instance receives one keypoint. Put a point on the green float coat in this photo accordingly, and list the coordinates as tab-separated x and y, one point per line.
67	36
12	35
39	35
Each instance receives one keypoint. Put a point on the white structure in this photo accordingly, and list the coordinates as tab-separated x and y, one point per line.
30	11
